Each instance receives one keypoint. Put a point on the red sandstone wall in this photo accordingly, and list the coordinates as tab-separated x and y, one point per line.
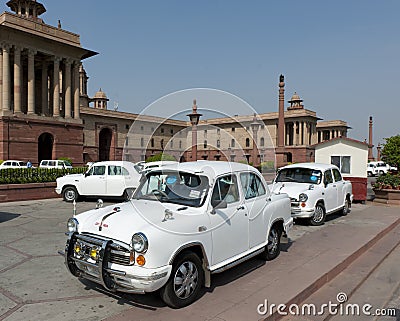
24	192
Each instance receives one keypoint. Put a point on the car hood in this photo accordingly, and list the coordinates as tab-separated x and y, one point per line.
121	221
290	188
71	176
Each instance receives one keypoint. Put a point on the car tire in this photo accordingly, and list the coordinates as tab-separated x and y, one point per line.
273	247
70	194
319	215
381	172
185	282
369	174
346	207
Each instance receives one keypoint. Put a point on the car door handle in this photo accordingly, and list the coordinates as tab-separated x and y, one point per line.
241	207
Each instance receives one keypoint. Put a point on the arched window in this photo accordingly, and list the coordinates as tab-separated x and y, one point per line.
141	142
247	142
152	142
262	141
233	142
218	143
205	144
162	143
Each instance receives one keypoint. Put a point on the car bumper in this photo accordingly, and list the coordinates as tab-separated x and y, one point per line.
58	190
115	277
299	212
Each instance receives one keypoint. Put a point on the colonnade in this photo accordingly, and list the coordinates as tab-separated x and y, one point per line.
32	82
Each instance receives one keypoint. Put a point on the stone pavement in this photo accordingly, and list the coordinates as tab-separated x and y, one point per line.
35	285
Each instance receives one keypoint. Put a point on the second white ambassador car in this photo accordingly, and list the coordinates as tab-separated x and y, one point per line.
315	190
183	223
102	179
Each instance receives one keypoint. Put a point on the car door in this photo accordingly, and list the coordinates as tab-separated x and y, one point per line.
330	192
94	182
115	180
340	187
228	220
254	195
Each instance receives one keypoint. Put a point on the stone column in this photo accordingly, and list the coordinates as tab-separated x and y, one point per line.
6	77
306	133
76	90
295	133
31	81
17	79
68	96
1	78
56	88
281	112
45	90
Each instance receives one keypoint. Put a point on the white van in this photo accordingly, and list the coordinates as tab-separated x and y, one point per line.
60	164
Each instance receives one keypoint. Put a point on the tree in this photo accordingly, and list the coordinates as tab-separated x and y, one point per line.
391	151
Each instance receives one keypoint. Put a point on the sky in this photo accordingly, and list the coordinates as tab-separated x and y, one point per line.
341	57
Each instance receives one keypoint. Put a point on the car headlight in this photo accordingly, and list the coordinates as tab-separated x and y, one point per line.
72	225
140	242
303	197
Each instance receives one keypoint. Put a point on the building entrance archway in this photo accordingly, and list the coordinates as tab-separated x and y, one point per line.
105	137
45	146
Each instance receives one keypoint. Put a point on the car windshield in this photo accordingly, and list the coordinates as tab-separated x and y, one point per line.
173	187
299	175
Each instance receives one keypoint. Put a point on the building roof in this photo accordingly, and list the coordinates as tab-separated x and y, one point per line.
340	139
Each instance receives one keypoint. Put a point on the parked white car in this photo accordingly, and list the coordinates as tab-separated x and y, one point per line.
111	178
379	168
13	164
184	222
55	163
315	190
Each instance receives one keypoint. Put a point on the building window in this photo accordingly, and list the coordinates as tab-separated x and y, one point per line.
127	141
162	130
342	162
180	144
127	126
141	128
218	131
218	143
172	131
141	142
205	144
247	142
262	142
233	142
233	129
171	142
162	143
152	142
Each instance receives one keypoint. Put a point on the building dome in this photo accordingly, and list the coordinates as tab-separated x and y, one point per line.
100	95
295	97
295	102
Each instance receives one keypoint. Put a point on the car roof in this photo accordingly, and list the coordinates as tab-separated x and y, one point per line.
115	163
317	166
208	168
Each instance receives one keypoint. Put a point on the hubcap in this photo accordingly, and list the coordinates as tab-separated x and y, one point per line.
272	241
70	195
319	214
185	280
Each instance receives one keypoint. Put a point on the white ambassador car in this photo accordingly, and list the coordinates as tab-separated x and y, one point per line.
102	179
315	190
183	223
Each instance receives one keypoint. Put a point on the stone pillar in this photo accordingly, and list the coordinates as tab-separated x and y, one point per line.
6	77
281	116
370	144
295	140
306	133
76	90
68	96
17	79
31	81
1	79
45	90
56	87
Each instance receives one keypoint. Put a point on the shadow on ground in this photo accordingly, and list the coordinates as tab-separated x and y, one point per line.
4	217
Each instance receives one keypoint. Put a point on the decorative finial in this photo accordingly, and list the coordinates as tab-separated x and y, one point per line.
59	24
281	78
194	108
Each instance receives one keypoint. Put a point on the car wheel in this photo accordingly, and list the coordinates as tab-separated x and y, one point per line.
70	194
381	173
273	247
369	174
319	215
185	282
346	207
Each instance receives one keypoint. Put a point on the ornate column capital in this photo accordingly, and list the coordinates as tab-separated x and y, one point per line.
5	46
68	61
56	59
31	52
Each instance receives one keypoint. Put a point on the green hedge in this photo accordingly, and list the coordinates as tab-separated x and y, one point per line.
35	175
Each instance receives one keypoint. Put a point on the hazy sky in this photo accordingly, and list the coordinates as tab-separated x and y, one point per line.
341	57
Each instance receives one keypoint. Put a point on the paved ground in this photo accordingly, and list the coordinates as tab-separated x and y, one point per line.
35	285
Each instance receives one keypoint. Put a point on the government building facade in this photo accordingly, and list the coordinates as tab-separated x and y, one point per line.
46	112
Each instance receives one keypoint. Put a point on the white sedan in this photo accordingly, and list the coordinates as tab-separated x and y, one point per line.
13	164
184	222
111	178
